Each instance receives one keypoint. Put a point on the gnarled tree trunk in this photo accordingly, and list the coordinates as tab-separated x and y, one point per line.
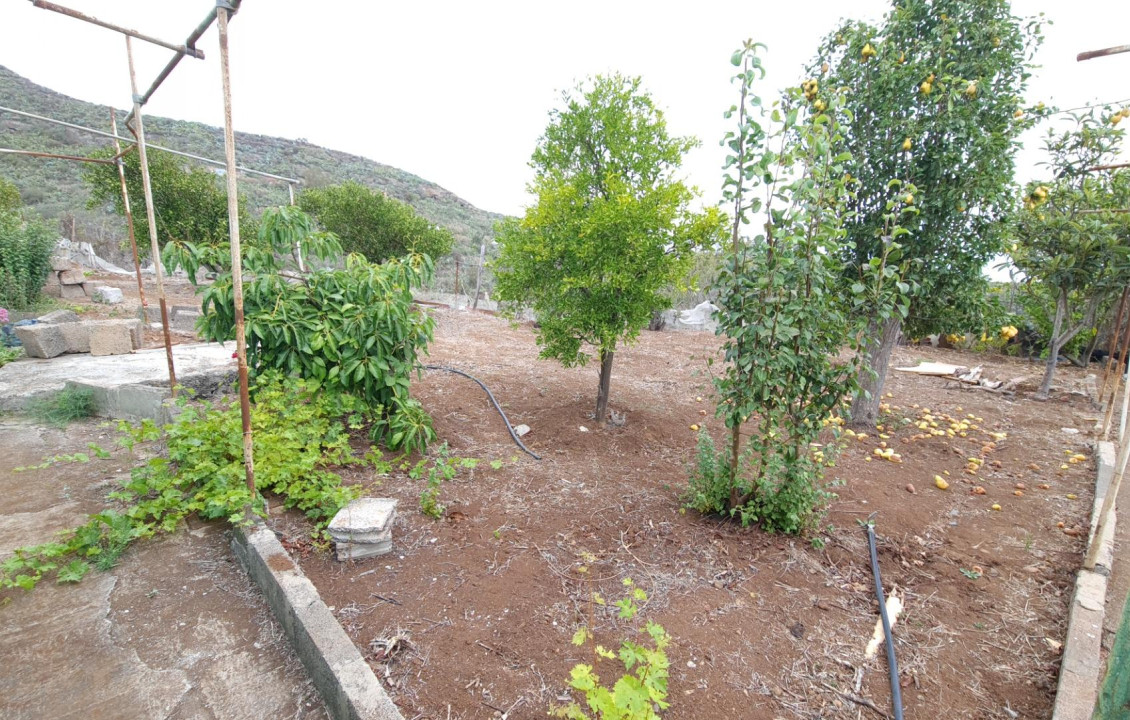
865	404
1054	344
605	385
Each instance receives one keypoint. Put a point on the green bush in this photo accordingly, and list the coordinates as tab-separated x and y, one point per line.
299	435
26	243
373	224
350	330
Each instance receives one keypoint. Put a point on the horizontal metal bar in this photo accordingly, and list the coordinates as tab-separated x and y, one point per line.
33	153
190	43
1115	211
117	28
103	133
1090	55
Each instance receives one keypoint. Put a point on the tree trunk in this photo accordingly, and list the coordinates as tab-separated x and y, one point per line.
865	404
605	385
1053	347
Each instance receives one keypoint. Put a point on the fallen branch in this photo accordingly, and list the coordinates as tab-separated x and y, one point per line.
859	701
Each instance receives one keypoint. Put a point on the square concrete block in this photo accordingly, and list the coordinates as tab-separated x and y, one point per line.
77	336
107	339
42	341
58	316
72	292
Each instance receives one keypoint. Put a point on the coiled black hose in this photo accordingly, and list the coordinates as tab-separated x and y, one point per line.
497	407
892	663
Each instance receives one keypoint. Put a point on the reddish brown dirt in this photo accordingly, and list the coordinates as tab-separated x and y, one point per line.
763	626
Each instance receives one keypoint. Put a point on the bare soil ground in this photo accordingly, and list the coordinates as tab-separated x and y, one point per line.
486	600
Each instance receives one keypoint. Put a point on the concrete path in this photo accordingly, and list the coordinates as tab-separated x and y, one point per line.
24	380
175	631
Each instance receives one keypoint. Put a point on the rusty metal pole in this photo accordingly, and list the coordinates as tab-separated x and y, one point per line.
1120	369
129	216
1112	345
151	217
222	16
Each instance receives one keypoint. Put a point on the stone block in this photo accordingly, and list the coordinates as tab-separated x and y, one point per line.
77	336
90	287
357	551
41	341
107	295
59	264
58	316
72	277
521	430
136	329
184	321
364	515
362	538
110	339
72	292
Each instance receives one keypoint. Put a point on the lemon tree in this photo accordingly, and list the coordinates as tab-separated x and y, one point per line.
935	95
1070	246
612	227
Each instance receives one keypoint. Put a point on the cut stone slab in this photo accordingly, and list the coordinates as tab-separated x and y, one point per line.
364	515
72	277
71	292
357	551
363	538
521	430
41	341
25	381
106	339
91	287
58	316
77	336
135	327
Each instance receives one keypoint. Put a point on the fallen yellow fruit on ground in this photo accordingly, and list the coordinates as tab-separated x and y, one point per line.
694	427
941	482
995	507
1072	496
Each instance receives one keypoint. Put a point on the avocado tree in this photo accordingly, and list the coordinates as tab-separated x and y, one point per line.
372	224
1071	240
611	229
190	205
935	99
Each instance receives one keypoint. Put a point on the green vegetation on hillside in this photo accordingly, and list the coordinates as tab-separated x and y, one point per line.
54	188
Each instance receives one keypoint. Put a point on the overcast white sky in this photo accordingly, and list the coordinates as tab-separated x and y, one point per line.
458	92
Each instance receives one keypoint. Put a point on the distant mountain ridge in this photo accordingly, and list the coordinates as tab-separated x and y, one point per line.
56	190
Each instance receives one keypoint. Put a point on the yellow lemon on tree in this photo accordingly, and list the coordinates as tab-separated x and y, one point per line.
906	145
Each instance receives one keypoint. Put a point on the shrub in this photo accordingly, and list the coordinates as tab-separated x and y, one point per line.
299	435
26	243
641	692
65	406
373	224
350	330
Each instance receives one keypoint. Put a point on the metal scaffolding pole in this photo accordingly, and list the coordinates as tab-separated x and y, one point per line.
54	156
129	219
151	217
224	11
114	136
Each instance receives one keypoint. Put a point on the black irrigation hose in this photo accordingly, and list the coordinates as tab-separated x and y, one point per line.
892	663
497	407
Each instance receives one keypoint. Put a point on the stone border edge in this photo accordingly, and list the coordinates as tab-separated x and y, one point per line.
345	681
1082	667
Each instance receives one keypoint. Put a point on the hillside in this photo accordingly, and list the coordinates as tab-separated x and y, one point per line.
55	187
